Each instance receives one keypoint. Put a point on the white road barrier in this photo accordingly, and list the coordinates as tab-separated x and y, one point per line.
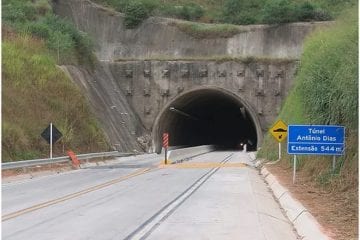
185	154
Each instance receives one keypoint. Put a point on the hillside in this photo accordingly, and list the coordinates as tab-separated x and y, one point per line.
54	41
326	92
240	12
35	91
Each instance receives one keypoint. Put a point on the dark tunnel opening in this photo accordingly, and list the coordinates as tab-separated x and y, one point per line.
208	116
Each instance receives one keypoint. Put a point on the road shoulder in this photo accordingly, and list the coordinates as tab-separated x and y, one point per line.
306	225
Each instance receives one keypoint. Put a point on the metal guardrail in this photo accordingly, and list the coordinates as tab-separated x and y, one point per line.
44	161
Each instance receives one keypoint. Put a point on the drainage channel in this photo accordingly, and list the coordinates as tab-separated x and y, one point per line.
144	230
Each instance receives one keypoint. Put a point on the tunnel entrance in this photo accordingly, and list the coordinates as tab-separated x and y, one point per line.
208	116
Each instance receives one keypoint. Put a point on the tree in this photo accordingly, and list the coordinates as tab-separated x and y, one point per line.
278	11
61	42
241	11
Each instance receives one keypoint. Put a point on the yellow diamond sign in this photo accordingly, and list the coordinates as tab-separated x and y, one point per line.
279	131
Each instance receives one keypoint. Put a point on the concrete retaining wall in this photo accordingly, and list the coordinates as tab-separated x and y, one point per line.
158	37
128	95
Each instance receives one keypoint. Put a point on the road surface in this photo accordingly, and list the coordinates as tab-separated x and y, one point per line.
217	195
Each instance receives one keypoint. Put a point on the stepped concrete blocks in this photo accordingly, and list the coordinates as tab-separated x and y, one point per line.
305	224
292	207
270	179
264	172
307	227
279	191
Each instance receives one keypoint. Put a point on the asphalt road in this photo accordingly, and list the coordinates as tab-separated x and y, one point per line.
214	196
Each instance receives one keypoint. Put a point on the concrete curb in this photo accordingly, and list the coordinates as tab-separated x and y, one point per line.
305	224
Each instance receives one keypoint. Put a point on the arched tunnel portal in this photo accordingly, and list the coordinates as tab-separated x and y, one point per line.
208	116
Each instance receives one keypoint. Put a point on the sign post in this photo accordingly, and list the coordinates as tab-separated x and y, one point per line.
279	132
294	173
316	140
51	134
51	139
165	144
279	150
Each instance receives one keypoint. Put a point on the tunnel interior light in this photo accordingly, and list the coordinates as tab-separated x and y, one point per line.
173	109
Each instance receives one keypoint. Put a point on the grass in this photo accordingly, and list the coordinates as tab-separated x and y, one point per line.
326	92
208	31
35	93
328	76
61	37
240	12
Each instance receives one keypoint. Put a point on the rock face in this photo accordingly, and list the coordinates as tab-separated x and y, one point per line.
120	122
131	96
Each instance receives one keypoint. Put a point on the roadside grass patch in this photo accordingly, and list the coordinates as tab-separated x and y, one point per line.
35	93
326	92
208	31
36	18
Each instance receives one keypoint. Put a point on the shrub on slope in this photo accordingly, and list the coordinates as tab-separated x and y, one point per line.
326	92
35	93
61	37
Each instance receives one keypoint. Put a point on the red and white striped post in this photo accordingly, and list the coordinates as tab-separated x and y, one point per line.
165	144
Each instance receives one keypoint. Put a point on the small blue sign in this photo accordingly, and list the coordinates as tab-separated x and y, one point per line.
316	139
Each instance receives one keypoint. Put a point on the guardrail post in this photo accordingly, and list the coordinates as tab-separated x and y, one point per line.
51	140
294	173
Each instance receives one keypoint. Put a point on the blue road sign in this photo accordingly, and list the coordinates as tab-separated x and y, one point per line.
316	139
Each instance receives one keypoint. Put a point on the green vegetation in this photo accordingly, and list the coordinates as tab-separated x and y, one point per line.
35	93
326	92
241	11
328	79
137	11
188	11
208	31
61	37
230	11
285	11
